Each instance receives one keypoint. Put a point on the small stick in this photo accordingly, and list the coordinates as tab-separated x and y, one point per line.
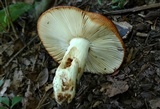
132	10
43	99
36	57
19	52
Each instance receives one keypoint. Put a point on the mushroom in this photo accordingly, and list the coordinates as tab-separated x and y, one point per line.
81	42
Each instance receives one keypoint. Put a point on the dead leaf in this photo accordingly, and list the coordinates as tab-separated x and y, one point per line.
8	48
40	7
18	44
6	84
32	59
42	77
1	60
28	92
26	61
124	28
129	58
97	103
155	103
114	88
17	78
152	15
29	101
48	87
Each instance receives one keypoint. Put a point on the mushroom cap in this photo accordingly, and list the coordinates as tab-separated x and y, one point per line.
59	25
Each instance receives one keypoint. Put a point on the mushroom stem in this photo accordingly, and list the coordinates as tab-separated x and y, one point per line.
70	70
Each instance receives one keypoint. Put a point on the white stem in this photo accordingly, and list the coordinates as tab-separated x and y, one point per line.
70	70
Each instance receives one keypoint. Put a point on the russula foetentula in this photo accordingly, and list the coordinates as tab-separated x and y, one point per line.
81	42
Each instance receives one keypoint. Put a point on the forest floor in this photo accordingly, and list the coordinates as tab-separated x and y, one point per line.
27	70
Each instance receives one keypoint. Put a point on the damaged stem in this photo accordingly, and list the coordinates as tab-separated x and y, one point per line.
70	70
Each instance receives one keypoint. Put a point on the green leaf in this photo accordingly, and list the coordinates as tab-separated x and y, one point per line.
99	2
4	100
118	4
115	1
15	11
1	82
15	100
2	108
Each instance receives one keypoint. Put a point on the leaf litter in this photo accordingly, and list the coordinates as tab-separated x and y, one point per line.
29	70
114	87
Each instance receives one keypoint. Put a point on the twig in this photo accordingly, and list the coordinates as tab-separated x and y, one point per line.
43	99
36	57
83	3
19	52
132	10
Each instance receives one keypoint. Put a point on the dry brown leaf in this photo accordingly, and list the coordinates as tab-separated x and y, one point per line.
155	103
29	101
97	103
124	28
1	61
8	48
32	59
18	45
42	77
17	78
28	92
129	58
48	87
114	88
6	84
26	61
